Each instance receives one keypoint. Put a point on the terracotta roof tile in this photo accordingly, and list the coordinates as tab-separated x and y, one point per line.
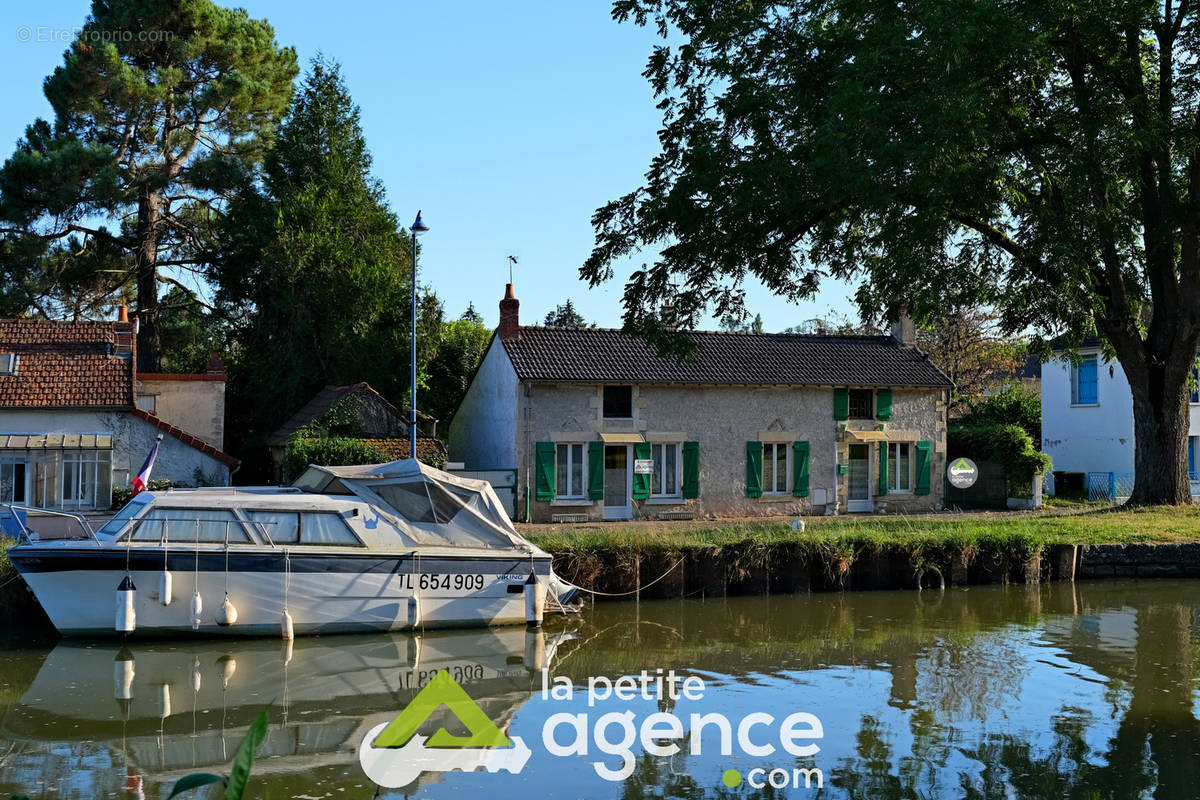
605	355
186	438
67	364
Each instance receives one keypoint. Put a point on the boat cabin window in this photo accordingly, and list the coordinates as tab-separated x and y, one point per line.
118	522
190	525
420	501
291	527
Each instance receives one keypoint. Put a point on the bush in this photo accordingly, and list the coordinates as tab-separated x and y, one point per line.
1007	444
1014	404
122	495
333	451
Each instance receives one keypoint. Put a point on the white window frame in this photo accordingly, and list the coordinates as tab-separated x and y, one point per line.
1090	357
97	465
661	490
893	475
564	493
769	486
8	363
8	465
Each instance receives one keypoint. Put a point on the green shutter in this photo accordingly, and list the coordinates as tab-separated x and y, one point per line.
883	405
544	471
753	469
883	459
800	469
924	466
641	483
841	404
691	470
595	470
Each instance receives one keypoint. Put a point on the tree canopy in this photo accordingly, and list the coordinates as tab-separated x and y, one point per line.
566	316
319	267
462	345
1039	157
150	133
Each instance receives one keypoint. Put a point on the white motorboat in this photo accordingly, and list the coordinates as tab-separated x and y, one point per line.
397	546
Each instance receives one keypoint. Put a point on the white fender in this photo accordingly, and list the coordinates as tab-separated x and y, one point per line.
164	588
228	613
126	600
535	601
287	629
414	611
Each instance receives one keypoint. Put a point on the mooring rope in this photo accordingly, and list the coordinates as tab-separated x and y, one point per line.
638	589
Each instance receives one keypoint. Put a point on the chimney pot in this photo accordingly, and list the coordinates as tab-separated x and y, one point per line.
903	329
510	322
122	313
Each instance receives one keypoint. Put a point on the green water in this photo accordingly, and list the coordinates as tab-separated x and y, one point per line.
1085	691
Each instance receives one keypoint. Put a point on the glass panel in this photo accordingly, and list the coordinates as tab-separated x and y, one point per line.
656	477
671	486
904	470
577	470
768	478
419	501
70	483
562	490
859	473
618	402
615	466
280	527
326	528
118	522
780	468
189	525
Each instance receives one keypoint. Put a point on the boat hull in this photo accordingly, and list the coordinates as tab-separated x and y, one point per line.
322	592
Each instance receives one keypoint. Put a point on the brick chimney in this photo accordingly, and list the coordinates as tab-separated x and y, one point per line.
510	323
215	365
902	329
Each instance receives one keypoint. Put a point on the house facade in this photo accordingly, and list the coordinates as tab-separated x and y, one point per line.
598	426
1087	424
71	429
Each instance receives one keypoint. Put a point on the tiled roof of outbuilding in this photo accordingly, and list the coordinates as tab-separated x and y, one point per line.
605	355
67	364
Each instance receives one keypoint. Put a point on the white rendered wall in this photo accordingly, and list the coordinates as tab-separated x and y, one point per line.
483	434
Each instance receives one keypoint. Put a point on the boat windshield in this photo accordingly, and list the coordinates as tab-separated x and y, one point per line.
117	524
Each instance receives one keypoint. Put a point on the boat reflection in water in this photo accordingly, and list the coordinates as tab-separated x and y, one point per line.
149	714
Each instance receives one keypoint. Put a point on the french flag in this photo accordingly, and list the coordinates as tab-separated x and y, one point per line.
140	480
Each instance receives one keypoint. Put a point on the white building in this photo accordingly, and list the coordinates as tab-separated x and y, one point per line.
1087	424
77	421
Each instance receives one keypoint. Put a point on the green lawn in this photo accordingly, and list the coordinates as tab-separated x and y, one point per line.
1073	525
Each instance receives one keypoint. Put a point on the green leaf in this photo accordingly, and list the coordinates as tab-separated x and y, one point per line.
194	781
239	775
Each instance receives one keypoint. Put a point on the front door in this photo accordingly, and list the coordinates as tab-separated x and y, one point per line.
860	478
617	482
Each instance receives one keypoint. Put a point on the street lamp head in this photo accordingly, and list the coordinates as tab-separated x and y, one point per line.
418	226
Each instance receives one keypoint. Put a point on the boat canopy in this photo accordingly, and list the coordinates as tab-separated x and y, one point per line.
432	507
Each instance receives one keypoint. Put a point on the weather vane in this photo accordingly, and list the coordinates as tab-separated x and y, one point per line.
512	260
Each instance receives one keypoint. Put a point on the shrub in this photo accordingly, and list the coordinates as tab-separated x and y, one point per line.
1007	444
333	451
122	495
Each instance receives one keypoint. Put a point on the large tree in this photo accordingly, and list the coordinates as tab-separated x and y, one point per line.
461	348
319	269
159	107
1038	156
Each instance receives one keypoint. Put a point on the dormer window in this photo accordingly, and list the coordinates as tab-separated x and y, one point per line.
8	363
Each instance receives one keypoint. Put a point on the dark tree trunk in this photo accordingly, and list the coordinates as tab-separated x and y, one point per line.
1158	369
145	255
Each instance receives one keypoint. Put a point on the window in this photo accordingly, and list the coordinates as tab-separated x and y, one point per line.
85	479
12	480
146	402
570	464
618	402
775	468
420	501
1084	387
899	467
326	528
118	522
8	363
1192	440
862	404
1194	386
207	525
664	481
279	527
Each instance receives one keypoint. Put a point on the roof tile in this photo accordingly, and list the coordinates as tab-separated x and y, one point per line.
66	364
605	355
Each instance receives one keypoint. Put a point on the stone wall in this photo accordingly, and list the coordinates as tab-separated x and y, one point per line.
722	420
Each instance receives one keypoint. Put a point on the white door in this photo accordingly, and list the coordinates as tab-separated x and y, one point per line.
859	496
618	482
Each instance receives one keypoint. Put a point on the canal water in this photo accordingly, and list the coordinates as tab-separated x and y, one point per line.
1077	691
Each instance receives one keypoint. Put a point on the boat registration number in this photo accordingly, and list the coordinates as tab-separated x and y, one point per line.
459	582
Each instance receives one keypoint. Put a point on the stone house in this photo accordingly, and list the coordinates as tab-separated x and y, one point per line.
75	424
597	425
358	411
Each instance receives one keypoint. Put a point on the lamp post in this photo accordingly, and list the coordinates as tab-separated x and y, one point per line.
418	227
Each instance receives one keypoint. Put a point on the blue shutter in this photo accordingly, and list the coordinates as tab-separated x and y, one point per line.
1086	388
1191	456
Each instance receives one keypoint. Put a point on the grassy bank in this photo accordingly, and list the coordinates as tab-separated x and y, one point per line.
973	547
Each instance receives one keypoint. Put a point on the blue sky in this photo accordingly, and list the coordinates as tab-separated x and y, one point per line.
508	123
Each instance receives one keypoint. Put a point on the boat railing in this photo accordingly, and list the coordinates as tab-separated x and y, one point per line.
28	536
237	489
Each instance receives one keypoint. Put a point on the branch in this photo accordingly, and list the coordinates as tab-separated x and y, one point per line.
191	294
